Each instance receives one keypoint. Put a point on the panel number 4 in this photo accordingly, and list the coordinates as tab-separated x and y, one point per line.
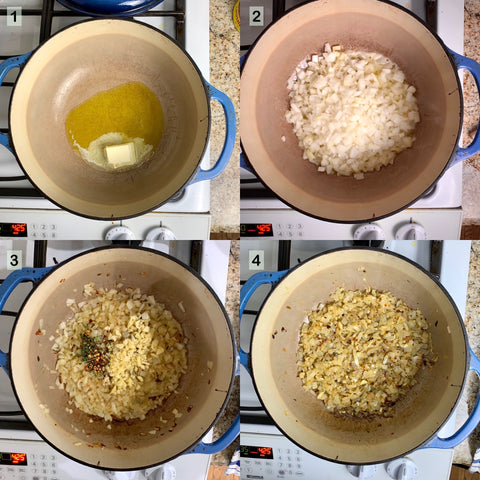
256	260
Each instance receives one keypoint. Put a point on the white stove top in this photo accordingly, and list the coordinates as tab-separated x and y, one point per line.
20	207
432	464
439	213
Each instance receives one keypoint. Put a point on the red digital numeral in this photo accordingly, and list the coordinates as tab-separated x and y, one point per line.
18	228
264	451
18	458
262	229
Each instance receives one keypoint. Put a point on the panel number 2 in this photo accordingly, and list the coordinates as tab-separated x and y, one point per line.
14	16
256	260
256	18
14	259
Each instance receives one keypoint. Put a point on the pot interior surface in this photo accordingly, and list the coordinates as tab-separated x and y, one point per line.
93	57
132	444
362	25
300	415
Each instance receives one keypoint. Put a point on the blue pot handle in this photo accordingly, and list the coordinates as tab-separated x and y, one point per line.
230	133
5	67
109	7
471	423
223	442
244	164
248	289
474	68
8	286
227	438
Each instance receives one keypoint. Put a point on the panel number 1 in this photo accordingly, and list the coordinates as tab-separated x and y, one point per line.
14	16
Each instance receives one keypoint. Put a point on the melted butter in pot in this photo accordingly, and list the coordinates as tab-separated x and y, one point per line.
129	113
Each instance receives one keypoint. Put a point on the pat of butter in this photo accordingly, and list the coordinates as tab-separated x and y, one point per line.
122	155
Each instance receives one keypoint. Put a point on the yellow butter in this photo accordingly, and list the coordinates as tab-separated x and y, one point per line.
130	112
122	155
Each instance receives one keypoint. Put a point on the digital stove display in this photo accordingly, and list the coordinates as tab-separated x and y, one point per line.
13	229
256	230
247	451
8	458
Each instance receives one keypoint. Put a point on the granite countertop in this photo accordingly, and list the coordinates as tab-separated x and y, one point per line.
471	167
224	75
232	306
463	454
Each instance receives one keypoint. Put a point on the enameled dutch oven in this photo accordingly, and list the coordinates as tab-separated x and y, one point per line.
94	56
110	7
300	415
201	395
272	148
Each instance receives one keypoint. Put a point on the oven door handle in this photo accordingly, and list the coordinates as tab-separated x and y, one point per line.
248	289
470	424
474	68
5	67
7	287
230	134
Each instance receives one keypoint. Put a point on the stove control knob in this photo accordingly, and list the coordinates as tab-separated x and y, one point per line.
402	469
411	231
160	233
120	233
165	472
362	471
369	231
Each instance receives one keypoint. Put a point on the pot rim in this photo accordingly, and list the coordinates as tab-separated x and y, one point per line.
447	163
421	269
202	153
198	277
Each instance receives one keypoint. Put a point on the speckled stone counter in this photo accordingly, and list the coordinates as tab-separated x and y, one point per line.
225	75
471	167
232	303
463	454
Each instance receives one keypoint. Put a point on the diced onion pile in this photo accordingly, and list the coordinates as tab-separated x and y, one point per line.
352	111
121	354
360	352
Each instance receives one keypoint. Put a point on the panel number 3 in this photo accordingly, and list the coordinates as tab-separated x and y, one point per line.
14	259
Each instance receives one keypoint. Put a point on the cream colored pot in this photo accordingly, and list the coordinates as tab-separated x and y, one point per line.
95	56
300	415
202	393
272	148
